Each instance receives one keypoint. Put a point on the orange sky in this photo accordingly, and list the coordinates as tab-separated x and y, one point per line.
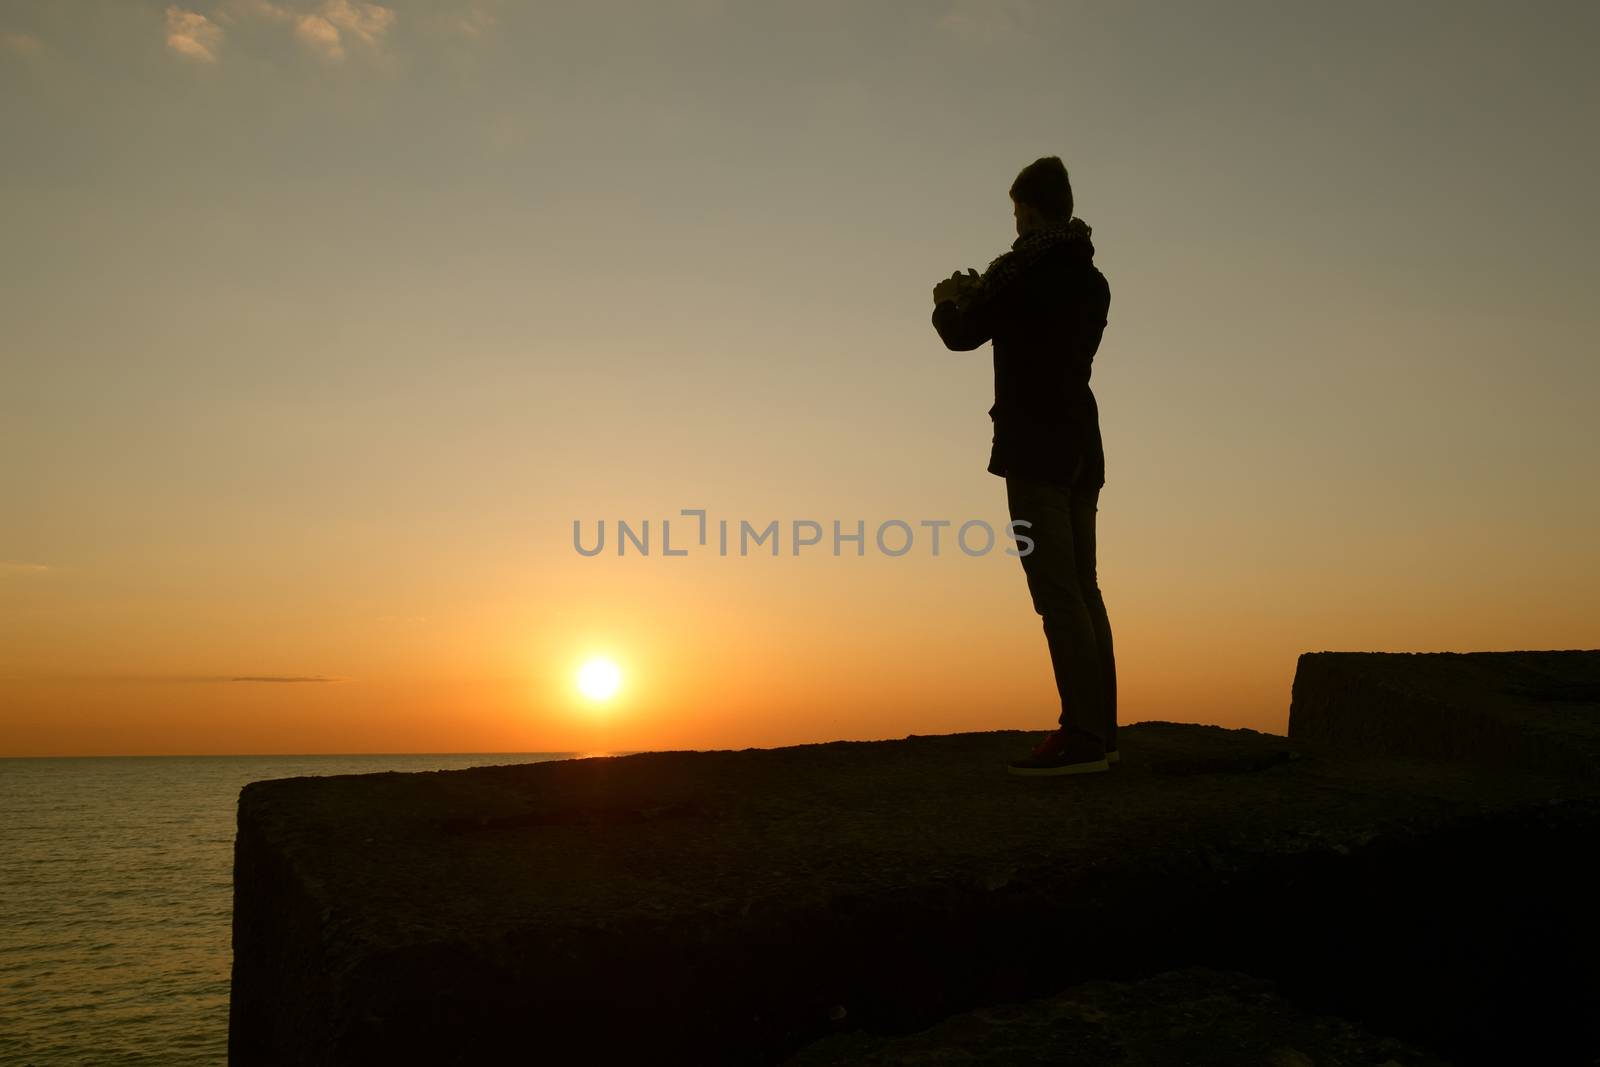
313	352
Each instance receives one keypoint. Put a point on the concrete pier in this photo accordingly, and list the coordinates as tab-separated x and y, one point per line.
743	907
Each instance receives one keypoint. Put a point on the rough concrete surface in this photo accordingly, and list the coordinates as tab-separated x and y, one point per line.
1195	1017
1536	710
735	907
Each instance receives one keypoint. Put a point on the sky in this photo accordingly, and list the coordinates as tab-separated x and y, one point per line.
322	322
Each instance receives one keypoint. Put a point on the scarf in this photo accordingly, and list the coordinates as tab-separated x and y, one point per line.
1029	249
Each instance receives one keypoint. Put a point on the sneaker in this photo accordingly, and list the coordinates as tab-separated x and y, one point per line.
1060	753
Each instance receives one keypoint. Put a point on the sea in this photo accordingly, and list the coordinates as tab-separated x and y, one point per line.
116	899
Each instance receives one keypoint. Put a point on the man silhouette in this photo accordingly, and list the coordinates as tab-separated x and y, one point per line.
1043	304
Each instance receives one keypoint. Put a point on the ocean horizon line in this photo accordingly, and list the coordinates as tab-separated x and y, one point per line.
301	755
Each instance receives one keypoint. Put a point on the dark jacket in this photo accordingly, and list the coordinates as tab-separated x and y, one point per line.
1046	326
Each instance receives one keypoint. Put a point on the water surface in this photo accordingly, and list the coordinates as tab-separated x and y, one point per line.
116	899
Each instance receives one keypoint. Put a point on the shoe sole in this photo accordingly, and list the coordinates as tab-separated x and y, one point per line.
1065	768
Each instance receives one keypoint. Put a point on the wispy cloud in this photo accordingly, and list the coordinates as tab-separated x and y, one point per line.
170	679
324	29
477	23
321	36
21	44
238	10
367	22
192	35
280	678
14	569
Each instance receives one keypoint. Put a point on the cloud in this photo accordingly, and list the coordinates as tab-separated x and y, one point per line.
234	10
369	22
13	569
192	35
167	679
322	28
321	36
22	44
280	678
325	30
477	23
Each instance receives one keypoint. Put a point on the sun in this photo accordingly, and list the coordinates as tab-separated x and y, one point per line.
599	679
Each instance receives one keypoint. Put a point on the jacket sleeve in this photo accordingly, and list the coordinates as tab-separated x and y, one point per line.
963	327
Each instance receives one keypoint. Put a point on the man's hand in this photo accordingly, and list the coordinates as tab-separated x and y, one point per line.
962	315
955	287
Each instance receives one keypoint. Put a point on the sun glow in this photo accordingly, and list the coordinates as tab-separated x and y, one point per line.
599	679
